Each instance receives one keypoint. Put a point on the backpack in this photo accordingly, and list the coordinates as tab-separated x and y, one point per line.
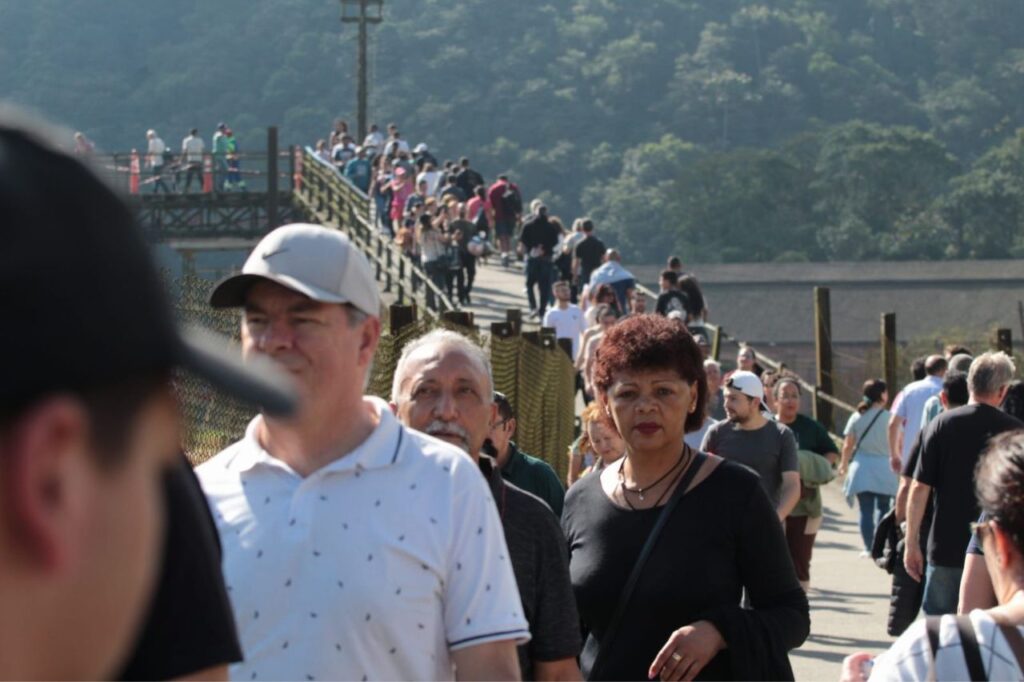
511	201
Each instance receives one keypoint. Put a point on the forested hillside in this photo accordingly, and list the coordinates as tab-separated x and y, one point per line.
724	130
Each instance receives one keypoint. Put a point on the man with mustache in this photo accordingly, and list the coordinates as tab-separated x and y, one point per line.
443	387
354	548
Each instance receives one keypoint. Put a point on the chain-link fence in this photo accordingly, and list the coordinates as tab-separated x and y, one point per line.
537	378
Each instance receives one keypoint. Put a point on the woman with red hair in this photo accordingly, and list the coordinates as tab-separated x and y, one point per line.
664	543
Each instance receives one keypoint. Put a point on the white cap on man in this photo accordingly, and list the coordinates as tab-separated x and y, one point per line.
746	383
318	262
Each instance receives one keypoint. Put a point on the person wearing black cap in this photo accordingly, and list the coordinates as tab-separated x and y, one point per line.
88	422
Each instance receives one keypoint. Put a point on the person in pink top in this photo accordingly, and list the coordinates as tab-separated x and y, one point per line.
401	188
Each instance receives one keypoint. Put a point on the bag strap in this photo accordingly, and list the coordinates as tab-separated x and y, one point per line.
931	628
972	654
865	434
634	576
1016	641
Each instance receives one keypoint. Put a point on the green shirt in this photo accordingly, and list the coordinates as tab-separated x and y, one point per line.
811	436
534	476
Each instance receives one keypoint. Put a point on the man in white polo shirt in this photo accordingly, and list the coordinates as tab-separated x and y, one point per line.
353	547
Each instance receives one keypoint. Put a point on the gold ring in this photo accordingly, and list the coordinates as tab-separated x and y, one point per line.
676	657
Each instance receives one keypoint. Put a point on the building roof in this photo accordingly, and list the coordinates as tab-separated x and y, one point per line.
769	302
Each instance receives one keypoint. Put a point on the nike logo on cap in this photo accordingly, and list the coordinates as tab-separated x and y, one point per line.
268	254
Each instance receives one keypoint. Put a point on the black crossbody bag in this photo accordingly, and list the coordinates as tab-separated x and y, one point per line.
611	632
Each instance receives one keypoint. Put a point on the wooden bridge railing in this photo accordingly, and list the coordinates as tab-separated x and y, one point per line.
334	201
718	337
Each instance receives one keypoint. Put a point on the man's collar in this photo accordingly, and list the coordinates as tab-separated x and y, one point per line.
381	449
515	457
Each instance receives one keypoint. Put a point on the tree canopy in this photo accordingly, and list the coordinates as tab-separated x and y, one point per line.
725	130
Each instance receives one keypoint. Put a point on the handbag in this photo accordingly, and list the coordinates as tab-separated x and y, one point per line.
865	435
634	576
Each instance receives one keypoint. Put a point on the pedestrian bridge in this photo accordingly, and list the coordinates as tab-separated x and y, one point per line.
293	184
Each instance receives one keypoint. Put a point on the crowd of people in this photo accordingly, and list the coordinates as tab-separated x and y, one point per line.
444	216
413	538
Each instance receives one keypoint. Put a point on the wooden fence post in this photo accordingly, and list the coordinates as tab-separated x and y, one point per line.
1004	341
823	351
458	317
889	352
716	344
401	316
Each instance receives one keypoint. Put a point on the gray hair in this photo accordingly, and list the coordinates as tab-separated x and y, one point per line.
989	373
712	363
437	340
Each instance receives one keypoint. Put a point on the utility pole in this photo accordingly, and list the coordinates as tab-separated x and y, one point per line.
362	12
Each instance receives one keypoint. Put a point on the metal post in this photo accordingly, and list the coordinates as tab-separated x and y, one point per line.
823	351
362	76
272	214
889	351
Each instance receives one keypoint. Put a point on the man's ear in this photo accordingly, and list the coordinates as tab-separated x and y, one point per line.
511	425
944	399
370	339
44	471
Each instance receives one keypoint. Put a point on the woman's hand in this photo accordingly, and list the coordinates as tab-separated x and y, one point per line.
687	651
853	667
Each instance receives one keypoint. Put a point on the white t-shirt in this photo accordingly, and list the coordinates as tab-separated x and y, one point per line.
910	657
433	180
192	147
156	152
568	324
376	566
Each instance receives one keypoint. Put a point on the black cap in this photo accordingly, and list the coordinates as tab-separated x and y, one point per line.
83	304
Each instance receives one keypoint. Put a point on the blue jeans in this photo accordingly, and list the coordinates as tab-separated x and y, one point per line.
872	508
538	273
941	589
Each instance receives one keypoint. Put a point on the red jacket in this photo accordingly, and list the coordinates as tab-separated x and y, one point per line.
494	196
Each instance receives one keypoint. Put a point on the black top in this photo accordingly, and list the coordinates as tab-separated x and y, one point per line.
468	180
723	536
695	298
909	467
541	566
190	625
589	251
950	449
671	300
539	231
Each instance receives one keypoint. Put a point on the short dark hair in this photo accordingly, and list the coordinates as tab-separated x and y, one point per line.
652	342
956	349
588	225
671	275
999	483
113	411
917	369
464	161
505	410
954	385
674	262
503	177
194	131
935	364
1013	403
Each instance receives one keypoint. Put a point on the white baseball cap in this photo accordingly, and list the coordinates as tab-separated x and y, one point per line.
318	262
746	383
